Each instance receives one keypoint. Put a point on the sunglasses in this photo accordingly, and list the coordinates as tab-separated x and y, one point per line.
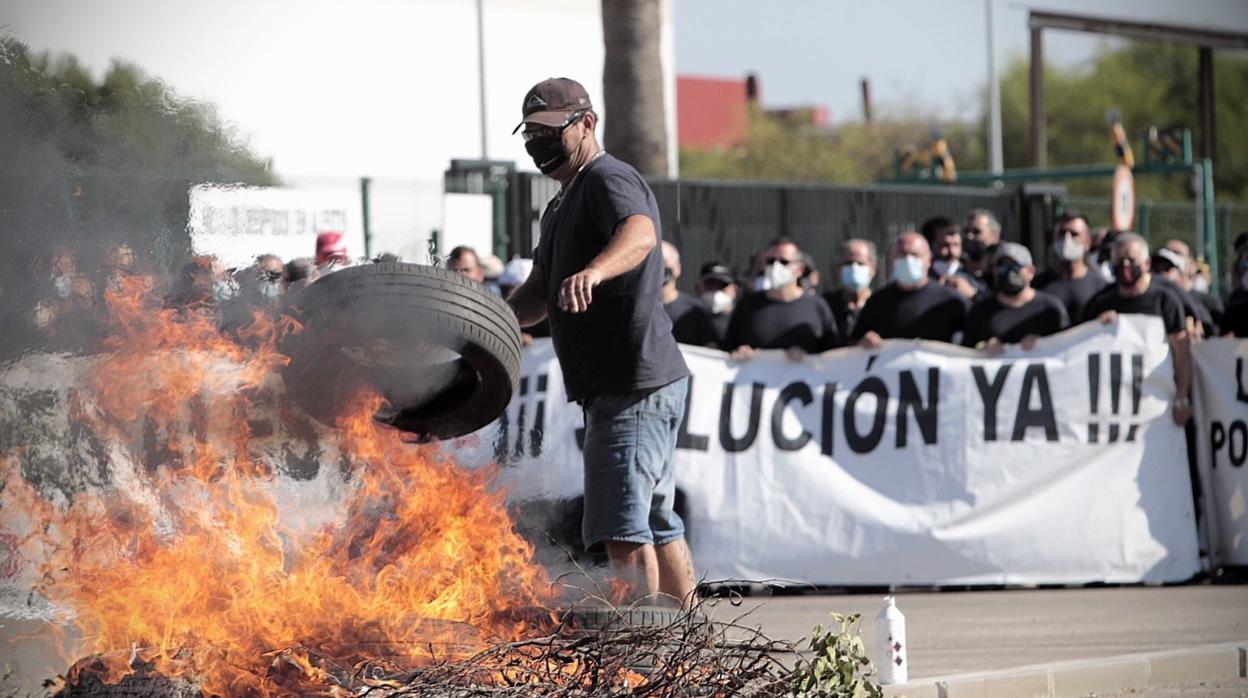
1068	232
772	260
553	131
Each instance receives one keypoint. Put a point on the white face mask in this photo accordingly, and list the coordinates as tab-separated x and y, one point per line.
779	275
1200	284
944	267
856	276
1071	249
718	301
1107	272
908	270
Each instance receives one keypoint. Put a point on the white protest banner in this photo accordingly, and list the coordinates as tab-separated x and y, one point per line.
1221	413
918	463
238	223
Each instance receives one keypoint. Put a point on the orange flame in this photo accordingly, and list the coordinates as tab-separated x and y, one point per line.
190	558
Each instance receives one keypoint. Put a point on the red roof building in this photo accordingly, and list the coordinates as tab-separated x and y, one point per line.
710	112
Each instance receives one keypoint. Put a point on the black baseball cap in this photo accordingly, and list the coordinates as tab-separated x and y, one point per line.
552	102
718	272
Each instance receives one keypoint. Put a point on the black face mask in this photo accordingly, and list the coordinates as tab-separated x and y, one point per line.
1009	279
974	248
1126	276
547	153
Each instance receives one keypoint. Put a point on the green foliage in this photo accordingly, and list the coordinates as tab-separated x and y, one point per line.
1150	84
839	666
87	163
774	150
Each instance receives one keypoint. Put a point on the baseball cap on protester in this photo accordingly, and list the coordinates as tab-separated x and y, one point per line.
552	102
1016	252
717	272
330	244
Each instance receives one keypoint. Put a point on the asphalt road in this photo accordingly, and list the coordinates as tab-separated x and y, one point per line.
956	632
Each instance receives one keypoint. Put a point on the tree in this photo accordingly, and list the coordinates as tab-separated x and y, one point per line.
1150	84
775	150
632	85
86	164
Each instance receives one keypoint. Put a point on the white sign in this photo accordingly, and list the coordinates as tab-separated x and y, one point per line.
919	463
238	223
1221	383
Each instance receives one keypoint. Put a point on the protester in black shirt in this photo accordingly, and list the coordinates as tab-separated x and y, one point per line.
1235	319
784	316
913	306
1070	279
858	265
1136	291
691	321
1211	304
718	291
1168	269
597	275
1017	313
981	233
944	239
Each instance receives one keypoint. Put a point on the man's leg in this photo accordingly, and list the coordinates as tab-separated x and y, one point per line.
675	571
638	567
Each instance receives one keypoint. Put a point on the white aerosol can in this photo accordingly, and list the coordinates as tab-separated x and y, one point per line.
890	644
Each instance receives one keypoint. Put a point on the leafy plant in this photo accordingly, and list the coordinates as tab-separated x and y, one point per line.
839	666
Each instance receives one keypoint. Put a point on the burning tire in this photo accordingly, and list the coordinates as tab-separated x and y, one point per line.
441	349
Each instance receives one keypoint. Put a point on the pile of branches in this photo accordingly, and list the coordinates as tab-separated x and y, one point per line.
690	656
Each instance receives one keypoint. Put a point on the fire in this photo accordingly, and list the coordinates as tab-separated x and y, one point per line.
190	561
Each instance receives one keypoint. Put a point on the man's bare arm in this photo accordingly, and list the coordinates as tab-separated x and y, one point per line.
632	240
528	300
1181	353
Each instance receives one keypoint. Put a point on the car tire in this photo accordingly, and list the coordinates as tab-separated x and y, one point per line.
441	349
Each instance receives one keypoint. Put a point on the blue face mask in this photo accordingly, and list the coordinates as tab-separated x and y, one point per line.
908	270
855	276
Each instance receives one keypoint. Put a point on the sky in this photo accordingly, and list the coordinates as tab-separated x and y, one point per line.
917	54
336	88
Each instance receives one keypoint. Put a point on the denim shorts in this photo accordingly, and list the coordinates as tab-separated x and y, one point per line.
629	484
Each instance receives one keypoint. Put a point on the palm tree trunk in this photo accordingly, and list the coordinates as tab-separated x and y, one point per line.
632	82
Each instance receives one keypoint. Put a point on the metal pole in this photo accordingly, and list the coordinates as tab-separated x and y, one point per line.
365	185
1210	233
1038	158
1205	100
485	143
996	158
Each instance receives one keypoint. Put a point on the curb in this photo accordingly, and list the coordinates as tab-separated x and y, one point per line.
1130	672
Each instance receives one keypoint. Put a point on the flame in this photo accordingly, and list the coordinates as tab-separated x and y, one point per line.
188	563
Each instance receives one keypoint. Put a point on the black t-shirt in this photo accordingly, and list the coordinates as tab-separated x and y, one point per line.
1191	307
1156	301
1235	319
846	317
691	321
1043	315
765	323
720	324
1073	293
1211	303
932	311
623	342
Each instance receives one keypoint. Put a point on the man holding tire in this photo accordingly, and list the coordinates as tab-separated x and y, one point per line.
597	275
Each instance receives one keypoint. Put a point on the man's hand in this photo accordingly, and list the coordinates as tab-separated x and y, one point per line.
870	340
993	346
1182	410
961	285
744	352
1028	342
1108	317
795	354
577	291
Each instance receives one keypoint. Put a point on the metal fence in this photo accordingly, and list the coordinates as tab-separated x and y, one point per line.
728	221
1159	221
